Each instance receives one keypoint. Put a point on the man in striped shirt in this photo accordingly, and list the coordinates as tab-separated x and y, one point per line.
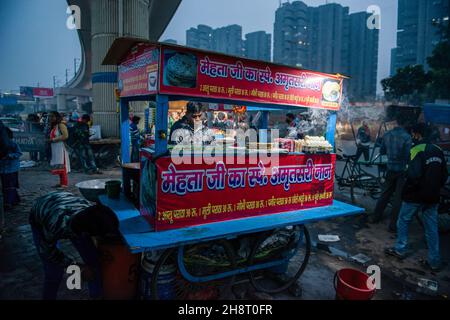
61	215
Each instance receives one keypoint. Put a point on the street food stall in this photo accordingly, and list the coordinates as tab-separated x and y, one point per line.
223	210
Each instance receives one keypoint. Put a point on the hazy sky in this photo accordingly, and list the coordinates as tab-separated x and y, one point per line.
255	15
35	43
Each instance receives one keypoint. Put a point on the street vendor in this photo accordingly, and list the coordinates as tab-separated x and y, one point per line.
135	137
190	128
221	122
292	126
61	215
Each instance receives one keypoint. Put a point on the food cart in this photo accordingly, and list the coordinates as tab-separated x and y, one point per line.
247	212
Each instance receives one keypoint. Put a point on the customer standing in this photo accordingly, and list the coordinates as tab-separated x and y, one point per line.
6	146
9	173
427	174
396	145
82	146
363	142
59	162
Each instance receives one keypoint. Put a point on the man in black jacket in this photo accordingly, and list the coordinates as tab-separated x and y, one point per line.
427	174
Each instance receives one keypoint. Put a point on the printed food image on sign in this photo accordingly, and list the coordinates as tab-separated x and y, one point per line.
180	69
331	91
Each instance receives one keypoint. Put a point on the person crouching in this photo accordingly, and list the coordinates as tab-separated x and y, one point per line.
61	215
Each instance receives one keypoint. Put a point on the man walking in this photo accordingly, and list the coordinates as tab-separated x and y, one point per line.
427	174
396	145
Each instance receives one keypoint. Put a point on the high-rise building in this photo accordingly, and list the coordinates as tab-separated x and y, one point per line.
200	37
228	40
362	57
328	39
417	31
393	61
291	34
258	45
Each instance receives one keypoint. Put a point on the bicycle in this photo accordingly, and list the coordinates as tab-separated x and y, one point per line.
354	177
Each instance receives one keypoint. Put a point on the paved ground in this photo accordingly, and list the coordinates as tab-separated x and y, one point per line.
21	270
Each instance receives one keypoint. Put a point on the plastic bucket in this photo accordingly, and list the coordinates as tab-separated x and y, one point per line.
119	270
113	188
166	280
351	284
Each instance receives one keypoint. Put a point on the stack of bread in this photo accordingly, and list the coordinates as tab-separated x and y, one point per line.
312	144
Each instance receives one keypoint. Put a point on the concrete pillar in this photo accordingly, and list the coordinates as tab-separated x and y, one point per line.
61	103
111	19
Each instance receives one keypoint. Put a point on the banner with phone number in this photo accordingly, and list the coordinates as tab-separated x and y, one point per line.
195	194
138	73
198	74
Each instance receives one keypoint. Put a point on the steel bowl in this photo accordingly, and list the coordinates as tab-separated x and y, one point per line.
92	189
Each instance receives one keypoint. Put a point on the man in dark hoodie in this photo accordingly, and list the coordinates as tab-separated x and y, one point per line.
426	175
61	215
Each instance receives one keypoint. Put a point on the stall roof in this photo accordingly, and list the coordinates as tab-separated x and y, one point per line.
122	46
291	93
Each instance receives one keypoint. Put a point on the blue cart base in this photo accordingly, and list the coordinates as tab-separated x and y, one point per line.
140	237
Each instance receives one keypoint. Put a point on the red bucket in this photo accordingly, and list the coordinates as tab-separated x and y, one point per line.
353	285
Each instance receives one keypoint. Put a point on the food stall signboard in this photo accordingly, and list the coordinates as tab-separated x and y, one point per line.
138	73
199	74
192	194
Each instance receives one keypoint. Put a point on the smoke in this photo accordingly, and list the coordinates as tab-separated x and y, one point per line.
316	123
373	113
349	113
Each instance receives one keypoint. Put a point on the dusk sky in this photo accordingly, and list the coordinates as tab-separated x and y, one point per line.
37	45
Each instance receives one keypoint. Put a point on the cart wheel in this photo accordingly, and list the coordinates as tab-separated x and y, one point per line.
198	261
291	244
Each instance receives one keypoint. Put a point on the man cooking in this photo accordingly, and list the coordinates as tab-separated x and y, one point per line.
190	128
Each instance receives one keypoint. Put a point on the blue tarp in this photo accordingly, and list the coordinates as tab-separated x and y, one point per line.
437	113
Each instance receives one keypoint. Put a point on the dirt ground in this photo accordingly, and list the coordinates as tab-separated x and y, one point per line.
21	274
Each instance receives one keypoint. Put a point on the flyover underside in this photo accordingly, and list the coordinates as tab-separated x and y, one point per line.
102	21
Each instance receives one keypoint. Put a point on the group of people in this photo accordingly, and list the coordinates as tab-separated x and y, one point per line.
416	171
75	135
60	133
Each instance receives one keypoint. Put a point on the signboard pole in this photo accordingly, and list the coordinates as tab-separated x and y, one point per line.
264	125
125	130
161	134
331	127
